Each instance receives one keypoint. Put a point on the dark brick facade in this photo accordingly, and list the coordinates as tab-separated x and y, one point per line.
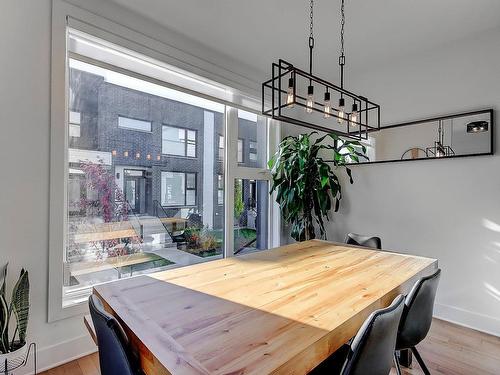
101	104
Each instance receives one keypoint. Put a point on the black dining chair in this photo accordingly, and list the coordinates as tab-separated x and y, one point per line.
365	241
115	355
371	351
417	317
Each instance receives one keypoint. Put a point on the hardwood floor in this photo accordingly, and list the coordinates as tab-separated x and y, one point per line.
448	350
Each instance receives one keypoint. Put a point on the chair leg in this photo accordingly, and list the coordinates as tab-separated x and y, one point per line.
396	364
420	361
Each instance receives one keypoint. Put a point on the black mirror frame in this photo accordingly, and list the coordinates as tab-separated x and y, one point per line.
489	111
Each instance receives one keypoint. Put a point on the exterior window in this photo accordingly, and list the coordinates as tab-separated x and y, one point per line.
178	141
178	189
220	189
221	147
240	151
74	124
252	151
134	124
120	174
130	187
253	129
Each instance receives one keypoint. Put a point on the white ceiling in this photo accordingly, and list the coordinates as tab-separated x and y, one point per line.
258	32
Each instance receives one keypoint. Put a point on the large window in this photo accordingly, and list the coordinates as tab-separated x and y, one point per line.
178	189
129	193
179	141
146	173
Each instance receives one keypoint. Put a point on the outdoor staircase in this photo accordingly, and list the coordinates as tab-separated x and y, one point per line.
154	234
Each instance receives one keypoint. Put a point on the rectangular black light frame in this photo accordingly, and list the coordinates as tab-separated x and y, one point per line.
284	68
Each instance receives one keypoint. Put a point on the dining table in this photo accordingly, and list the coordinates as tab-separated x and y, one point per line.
276	311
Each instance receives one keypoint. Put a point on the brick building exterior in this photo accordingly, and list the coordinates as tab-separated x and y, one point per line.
145	167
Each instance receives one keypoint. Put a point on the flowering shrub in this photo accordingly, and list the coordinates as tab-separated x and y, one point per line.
101	180
110	205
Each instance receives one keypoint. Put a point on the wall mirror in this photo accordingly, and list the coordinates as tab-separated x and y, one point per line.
458	135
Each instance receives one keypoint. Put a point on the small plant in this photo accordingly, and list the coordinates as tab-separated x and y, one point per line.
239	206
207	240
17	309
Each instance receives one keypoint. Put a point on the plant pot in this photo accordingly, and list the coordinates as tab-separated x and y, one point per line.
13	359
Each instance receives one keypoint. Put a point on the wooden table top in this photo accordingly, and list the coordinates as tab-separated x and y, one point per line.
280	311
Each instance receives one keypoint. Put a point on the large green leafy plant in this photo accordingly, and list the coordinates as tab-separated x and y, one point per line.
307	187
18	308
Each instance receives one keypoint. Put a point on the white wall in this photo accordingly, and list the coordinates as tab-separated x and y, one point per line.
446	209
25	49
24	148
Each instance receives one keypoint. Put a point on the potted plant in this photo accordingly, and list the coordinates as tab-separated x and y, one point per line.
306	185
13	348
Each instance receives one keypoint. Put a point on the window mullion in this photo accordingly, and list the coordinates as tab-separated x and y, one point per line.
230	164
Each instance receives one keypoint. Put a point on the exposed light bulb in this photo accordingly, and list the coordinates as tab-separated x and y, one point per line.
341	114
290	97
440	151
354	114
310	99
328	107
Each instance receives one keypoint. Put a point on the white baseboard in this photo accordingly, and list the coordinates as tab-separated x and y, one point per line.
58	354
469	319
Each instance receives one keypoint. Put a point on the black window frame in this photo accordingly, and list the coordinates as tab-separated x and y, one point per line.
195	189
186	141
136	119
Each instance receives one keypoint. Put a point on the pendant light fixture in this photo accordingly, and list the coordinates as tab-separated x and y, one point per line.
295	96
439	149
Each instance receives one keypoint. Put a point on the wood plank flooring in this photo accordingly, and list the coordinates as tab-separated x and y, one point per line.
448	350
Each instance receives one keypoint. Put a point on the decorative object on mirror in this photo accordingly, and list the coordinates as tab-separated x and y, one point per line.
458	135
286	104
477	127
14	350
307	186
413	153
439	149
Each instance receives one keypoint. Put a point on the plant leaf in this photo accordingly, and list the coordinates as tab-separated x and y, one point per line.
20	304
3	278
349	173
4	325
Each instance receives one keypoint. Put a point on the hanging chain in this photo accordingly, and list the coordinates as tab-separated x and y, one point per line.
311	19
311	35
342	25
342	54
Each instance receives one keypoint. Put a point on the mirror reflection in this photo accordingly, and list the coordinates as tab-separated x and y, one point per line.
451	136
